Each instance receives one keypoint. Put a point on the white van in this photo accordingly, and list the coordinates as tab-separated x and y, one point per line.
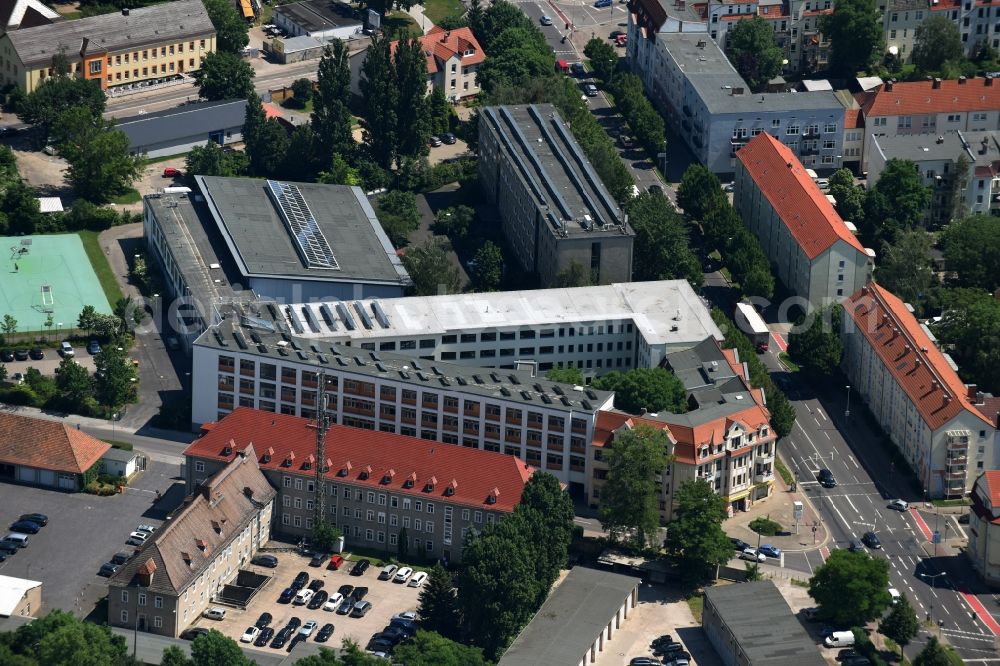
895	595
839	639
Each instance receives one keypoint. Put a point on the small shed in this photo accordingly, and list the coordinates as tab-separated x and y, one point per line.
119	462
50	205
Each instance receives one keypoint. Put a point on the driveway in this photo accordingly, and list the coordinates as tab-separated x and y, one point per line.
84	531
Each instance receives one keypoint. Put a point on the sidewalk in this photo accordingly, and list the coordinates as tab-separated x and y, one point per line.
417	13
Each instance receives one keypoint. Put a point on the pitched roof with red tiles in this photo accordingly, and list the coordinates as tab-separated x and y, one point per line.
918	367
442	45
796	199
853	119
921	98
354	453
47	445
989	482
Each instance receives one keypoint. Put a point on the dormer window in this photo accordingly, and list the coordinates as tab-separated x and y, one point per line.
493	496
345	470
410	480
266	458
387	477
429	486
365	473
450	490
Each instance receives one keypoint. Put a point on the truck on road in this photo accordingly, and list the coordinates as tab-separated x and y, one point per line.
751	323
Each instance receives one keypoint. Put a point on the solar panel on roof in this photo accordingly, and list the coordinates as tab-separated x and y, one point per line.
341	360
436	370
345	315
538	387
462	381
365	319
322	359
255	338
295	345
240	340
302	355
591	394
360	361
421	376
301	223
565	401
328	317
310	318
381	368
495	377
514	379
558	389
282	351
478	378
416	365
315	347
444	381
504	390
375	356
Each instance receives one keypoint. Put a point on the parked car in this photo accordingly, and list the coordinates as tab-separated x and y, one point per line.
811	614
740	544
855	546
108	569
822	183
317	584
324	633
335	600
847	653
895	595
359	593
545	20
303	597
148	529
136	538
394	634
317	560
214	613
6	356
345	590
346	606
360	568
121	557
379	644
449	138
300	580
171	172
37	518
665	639
621	40
93	348
26	527
318	600
590	90
36	354
280	639
293	623
250	635
193	633
307	628
644	661
899	505
870	539
264	620
20	354
963	519
435	141
402	575
577	68
361	608
753	556
826	479
418	579
336	561
769	550
602	3
409	616
269	561
388	571
9	547
264	636
287	595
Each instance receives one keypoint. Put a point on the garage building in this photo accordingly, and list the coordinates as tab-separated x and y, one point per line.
178	130
46	453
323	19
20	597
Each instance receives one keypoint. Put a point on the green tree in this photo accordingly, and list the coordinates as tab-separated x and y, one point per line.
325	537
897	202
901	624
103	165
439	111
20	207
331	117
519	55
215	648
694	537
970	327
700	193
231	31
751	47
720	226
300	163
640	114
487	268
339	173
42	385
652	389
935	42
603	58
399	215
174	656
302	90
431	269
474	17
850	198
455	222
60	639
547	511
211	160
851	588
114	378
433	649
662	245
413	129
937	654
403	549
224	75
55	95
88	318
971	249
496	18
574	275
855	33
438	609
73	382
904	266
818	348
380	101
566	375
629	504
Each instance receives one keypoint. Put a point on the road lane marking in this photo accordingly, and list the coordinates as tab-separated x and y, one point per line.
854	462
981	612
848	498
921	525
846	524
820	412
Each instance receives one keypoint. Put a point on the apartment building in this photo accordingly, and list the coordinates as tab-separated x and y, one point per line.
190	559
961	168
453	58
929	107
379	487
594	329
725	437
124	48
544	423
553	208
984	527
690	80
814	253
900	20
915	394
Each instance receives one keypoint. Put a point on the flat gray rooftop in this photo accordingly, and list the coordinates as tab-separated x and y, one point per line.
547	157
161	23
253	228
183	122
571	619
763	625
715	80
981	147
319	15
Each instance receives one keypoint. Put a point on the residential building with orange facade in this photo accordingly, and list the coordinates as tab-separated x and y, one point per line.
118	49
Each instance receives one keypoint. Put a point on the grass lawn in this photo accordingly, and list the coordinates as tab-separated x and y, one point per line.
401	22
789	363
70	16
179	158
436	10
130	196
951	502
101	268
696	603
785	473
290	105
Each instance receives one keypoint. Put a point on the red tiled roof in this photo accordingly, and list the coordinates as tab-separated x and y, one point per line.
991	482
47	445
270	110
918	367
853	119
442	45
736	17
816	12
796	199
919	98
477	472
946	5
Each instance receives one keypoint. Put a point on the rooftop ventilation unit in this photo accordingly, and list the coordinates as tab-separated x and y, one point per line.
365	319
380	315
327	314
345	316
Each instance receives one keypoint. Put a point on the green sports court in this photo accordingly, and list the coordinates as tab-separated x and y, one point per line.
43	275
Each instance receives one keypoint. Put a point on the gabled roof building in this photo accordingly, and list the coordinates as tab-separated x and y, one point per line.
46	453
178	130
984	527
914	392
814	252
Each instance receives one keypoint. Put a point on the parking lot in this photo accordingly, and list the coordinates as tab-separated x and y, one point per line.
387	599
84	531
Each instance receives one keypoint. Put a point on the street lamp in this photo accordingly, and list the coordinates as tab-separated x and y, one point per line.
933	577
847	412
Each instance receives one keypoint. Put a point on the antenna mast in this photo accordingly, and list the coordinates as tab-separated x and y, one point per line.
322	425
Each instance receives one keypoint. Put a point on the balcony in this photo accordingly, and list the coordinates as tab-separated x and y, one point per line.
955	476
951	461
958	444
811	133
808	150
764	458
765	477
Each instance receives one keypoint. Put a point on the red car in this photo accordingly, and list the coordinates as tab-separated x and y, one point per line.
621	40
336	562
171	172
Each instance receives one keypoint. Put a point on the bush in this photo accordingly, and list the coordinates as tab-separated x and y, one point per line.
863	644
765	526
101	489
19	395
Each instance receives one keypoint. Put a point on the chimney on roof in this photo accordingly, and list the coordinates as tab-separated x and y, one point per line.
988	81
936	84
970	391
217	526
124	11
961	80
888	86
